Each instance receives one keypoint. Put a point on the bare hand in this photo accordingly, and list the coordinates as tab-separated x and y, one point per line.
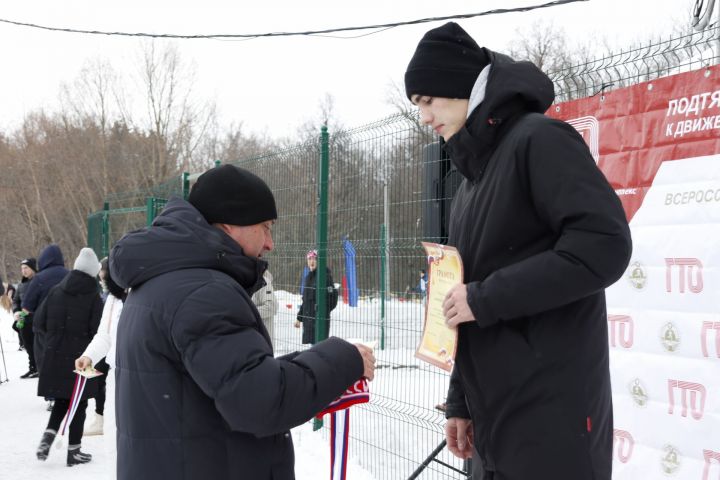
368	360
82	363
297	323
459	436
455	306
16	315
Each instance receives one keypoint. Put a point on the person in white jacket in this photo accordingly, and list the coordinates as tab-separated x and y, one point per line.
266	303
103	346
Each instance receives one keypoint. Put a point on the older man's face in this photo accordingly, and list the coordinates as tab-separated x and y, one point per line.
255	240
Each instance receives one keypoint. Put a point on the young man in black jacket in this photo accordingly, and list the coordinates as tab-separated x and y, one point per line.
199	392
28	267
541	234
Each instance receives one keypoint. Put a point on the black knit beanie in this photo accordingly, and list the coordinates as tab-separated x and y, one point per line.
30	262
446	64
233	195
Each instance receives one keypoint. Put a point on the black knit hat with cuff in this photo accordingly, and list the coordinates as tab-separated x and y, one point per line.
233	195
446	63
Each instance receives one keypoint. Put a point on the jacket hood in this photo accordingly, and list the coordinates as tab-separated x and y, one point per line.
78	283
51	256
181	238
512	88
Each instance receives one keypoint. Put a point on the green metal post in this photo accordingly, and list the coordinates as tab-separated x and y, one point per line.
321	332
185	185
150	211
383	273
321	324
105	249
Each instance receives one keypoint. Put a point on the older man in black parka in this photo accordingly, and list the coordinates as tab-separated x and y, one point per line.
199	393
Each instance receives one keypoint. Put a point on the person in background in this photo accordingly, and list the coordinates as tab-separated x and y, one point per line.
64	324
266	303
101	347
308	308
28	267
7	296
51	271
422	284
541	234
101	364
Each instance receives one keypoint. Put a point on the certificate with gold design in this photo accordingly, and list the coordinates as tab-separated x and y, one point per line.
439	342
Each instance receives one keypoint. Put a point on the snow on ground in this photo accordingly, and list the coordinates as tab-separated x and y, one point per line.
23	418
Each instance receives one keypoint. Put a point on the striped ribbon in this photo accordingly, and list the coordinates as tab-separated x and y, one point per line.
339	411
339	432
74	400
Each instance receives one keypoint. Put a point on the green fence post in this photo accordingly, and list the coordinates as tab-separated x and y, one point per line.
321	324
150	210
321	332
383	273
217	163
105	239
185	185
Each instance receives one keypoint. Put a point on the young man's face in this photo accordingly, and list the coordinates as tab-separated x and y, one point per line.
312	263
26	271
445	115
255	240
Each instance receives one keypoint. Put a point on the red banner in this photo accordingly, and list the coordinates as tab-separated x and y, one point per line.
633	130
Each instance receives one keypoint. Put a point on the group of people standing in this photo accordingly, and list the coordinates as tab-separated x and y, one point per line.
56	313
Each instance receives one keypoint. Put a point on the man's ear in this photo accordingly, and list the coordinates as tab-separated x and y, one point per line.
222	226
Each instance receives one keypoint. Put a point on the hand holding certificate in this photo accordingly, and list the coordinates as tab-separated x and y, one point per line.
439	342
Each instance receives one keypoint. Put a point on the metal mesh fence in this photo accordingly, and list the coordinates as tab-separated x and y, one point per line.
639	64
376	202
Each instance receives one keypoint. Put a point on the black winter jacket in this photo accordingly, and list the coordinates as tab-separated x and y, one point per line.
541	234
51	270
199	393
308	308
64	325
19	293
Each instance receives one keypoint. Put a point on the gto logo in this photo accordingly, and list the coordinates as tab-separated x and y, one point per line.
625	444
686	267
697	395
704	337
709	457
670	460
638	393
637	276
670	338
622	324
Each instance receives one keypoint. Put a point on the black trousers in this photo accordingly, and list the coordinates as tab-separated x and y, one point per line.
78	422
100	382
29	342
19	334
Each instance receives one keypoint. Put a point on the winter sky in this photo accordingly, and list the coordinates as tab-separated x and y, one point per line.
274	84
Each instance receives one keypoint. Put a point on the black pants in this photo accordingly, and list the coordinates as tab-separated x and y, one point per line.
100	382
19	333
29	341
76	426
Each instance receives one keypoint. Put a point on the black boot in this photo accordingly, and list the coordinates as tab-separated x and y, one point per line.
76	457
32	373
45	442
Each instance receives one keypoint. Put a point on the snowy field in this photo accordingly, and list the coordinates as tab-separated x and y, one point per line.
390	436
